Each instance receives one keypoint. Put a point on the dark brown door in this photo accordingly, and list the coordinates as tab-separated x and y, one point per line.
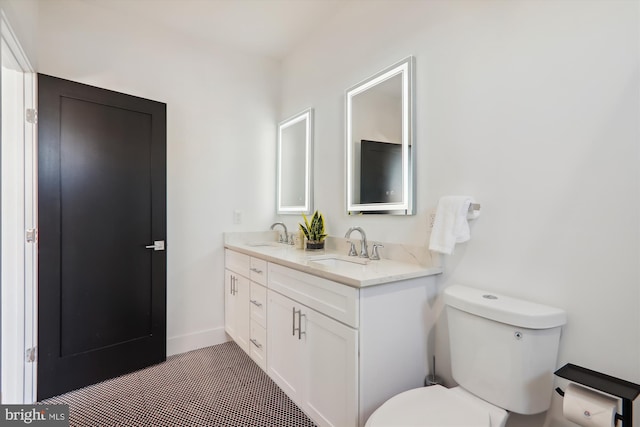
101	201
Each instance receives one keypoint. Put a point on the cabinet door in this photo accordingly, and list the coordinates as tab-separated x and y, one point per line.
243	313
229	304
236	312
330	372
284	349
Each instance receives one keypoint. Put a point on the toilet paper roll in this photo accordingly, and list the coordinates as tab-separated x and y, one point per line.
586	407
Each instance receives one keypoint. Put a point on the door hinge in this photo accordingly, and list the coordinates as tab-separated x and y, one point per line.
32	115
32	235
31	354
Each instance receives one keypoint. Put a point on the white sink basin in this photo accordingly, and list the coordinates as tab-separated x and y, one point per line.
338	261
255	244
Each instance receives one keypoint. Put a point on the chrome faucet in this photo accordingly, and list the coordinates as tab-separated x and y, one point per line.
364	253
375	255
284	239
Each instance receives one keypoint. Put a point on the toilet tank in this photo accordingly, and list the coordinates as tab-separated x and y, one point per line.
503	349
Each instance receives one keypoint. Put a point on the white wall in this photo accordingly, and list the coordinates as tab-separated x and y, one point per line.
532	107
23	18
221	127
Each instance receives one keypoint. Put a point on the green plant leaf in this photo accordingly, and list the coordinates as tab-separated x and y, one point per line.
322	223
314	230
304	230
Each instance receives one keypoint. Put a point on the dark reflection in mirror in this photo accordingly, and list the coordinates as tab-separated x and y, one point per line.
380	172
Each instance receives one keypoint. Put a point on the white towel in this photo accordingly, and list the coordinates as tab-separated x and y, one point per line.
450	225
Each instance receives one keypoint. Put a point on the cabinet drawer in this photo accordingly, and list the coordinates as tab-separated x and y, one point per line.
258	345
333	299
237	262
259	271
258	302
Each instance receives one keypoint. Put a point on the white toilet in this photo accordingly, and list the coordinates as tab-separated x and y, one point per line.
503	354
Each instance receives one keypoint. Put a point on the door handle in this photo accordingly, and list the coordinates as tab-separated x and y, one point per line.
158	245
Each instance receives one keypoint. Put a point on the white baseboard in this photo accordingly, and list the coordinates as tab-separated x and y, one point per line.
196	340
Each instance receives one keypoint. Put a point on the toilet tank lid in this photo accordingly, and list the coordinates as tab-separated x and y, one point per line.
504	309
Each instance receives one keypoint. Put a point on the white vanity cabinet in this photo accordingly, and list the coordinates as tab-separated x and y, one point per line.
245	303
312	357
337	350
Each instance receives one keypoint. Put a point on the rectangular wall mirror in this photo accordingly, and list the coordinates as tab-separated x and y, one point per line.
295	164
379	142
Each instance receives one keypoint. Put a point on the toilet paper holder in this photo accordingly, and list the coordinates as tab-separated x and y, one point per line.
624	390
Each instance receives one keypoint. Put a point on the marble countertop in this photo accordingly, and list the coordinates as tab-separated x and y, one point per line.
332	263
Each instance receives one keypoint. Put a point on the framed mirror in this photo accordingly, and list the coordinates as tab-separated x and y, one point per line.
295	163
379	142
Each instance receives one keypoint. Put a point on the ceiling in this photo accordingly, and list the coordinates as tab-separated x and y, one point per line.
265	27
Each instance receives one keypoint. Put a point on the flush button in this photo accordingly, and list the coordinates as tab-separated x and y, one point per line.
489	296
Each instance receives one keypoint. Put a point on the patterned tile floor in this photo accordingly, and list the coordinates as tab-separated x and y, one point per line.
213	386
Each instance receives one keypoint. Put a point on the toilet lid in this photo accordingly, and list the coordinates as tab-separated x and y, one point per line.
434	406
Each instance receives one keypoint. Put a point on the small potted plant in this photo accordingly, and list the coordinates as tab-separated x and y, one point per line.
314	230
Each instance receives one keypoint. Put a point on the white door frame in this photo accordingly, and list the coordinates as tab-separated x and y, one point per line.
18	264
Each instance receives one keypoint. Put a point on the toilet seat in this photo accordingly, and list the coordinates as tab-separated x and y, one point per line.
437	406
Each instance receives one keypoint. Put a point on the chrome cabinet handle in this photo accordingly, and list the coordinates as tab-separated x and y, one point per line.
256	270
300	316
299	328
256	303
233	285
293	321
256	343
